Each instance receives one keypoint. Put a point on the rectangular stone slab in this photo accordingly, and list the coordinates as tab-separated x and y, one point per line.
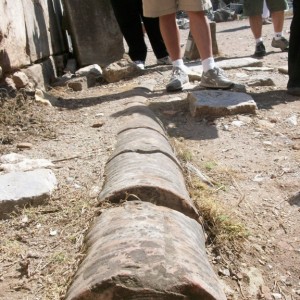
220	103
142	251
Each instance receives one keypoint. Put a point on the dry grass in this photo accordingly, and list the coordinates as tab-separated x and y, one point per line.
21	117
43	246
223	229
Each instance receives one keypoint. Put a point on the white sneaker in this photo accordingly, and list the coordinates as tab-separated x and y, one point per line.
140	64
164	61
178	79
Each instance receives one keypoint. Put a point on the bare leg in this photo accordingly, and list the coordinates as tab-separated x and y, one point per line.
256	26
278	19
170	34
201	33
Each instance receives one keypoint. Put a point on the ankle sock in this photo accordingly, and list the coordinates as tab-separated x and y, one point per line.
258	40
208	64
278	35
178	63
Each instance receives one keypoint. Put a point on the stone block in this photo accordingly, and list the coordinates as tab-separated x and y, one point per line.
20	79
42	74
44	35
144	251
13	39
220	103
25	188
96	37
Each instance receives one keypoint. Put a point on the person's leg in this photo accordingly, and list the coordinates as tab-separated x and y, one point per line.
254	9
294	53
201	33
212	77
129	20
171	36
277	8
154	34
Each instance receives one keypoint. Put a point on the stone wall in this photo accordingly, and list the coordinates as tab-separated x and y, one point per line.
30	32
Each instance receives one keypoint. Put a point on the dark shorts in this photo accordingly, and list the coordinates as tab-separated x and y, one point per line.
255	7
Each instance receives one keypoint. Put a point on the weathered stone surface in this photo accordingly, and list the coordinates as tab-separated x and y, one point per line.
143	251
229	64
138	115
71	66
45	98
260	81
44	35
255	69
42	74
20	79
143	140
152	177
143	164
13	36
14	162
25	188
283	70
119	70
93	70
97	19
78	84
220	103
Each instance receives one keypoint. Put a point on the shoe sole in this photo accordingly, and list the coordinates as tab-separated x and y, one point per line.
260	54
217	87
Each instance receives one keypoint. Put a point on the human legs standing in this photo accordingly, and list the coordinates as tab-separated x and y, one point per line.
253	9
294	52
153	32
129	20
166	10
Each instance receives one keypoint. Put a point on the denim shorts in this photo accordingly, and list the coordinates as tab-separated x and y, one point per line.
255	7
157	8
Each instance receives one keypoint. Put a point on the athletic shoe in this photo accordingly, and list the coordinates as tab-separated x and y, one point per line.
260	50
164	61
178	78
266	21
215	78
140	64
283	44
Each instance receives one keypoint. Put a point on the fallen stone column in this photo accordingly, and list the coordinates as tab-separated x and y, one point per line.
144	167
143	251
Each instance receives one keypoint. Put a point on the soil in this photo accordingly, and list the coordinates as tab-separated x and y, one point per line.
253	160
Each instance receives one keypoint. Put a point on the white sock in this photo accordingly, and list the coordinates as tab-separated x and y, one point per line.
278	35
208	64
258	40
178	63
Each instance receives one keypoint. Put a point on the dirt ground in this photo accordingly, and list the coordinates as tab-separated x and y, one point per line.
253	160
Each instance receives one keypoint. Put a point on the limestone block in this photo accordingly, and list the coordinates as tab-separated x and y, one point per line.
220	103
96	36
78	84
25	188
20	79
119	70
144	251
12	36
42	74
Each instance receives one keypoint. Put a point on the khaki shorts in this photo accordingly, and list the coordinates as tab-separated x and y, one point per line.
157	8
255	7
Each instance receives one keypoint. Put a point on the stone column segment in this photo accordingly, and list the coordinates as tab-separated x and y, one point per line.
143	165
143	251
